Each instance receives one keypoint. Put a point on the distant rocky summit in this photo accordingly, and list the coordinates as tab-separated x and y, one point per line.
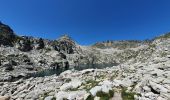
39	69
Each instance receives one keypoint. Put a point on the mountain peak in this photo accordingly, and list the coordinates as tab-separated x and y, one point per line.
65	37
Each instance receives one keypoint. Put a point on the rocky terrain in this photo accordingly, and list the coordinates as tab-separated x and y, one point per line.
61	69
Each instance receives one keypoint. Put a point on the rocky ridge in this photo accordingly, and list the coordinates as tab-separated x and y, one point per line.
140	70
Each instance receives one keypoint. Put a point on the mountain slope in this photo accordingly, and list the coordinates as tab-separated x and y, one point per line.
135	69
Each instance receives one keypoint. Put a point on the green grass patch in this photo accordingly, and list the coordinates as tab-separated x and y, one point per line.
90	97
128	95
100	76
163	54
105	96
73	89
90	84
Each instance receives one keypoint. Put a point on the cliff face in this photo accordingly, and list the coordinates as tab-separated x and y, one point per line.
7	35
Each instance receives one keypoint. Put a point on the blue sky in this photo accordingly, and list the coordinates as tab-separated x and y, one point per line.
87	21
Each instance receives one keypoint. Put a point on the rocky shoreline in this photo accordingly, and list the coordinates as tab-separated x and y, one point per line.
93	83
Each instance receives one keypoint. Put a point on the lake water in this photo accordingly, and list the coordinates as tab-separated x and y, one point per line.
49	72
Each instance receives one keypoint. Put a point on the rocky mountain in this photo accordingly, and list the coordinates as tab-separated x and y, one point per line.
7	36
38	69
118	44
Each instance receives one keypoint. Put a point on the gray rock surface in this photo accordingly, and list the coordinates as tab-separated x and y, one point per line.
138	68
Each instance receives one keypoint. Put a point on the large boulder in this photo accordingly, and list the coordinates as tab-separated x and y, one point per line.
104	87
4	98
71	95
6	78
49	98
71	85
95	89
157	88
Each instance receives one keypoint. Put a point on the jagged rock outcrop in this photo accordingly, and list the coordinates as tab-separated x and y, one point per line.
25	44
7	36
65	44
41	44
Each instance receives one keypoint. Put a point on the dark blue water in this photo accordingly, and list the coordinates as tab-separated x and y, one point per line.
49	72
